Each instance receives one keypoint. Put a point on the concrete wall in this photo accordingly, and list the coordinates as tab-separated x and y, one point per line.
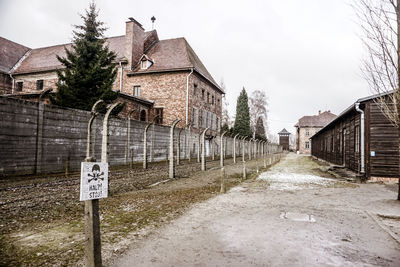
39	138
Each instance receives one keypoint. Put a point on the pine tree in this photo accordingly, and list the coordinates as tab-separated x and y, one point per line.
260	130
89	69
242	120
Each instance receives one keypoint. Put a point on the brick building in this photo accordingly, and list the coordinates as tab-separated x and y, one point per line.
307	126
156	77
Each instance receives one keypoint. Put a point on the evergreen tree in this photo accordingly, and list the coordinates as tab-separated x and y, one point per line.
260	130
242	120
89	69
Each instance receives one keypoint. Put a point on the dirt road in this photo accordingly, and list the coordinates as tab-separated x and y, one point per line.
289	216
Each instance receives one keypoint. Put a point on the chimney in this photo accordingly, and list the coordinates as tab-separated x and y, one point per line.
319	112
134	41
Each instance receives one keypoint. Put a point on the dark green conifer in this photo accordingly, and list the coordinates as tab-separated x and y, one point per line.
242	120
89	68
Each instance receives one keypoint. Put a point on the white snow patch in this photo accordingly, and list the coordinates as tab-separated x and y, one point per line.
293	181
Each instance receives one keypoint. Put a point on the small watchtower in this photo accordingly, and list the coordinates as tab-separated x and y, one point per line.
284	139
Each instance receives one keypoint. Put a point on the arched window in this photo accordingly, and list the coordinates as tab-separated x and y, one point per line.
143	115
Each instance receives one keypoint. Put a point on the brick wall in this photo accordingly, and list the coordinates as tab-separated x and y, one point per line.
5	84
304	137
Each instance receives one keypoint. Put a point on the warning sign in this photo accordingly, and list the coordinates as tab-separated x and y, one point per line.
94	180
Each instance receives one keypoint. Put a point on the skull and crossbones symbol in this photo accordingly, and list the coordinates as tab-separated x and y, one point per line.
96	175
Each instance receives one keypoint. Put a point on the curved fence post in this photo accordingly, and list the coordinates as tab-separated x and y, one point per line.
221	158
145	145
249	147
198	148
178	151
234	148
104	143
152	138
203	150
171	149
243	148
89	133
128	136
188	141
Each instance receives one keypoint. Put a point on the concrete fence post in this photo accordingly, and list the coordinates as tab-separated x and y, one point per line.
198	148
212	144
128	135
244	170
90	154
178	151
104	143
243	148
145	145
171	149
223	175
188	142
234	148
221	158
152	138
249	147
203	150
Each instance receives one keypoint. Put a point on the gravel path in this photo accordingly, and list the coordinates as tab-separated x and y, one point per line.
287	217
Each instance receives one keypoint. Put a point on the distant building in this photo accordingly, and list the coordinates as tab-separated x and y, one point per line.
284	139
156	77
307	126
367	144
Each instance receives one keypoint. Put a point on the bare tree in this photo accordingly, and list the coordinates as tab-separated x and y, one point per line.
380	22
258	103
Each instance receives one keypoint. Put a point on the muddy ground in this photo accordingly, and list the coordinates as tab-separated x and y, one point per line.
41	217
292	215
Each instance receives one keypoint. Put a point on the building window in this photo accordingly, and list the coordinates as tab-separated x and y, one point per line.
39	85
143	115
307	145
195	117
208	97
218	124
195	89
145	64
19	86
202	94
307	132
136	90
158	113
218	101
204	115
212	100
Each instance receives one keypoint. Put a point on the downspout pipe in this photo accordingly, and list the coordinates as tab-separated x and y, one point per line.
187	96
120	77
362	140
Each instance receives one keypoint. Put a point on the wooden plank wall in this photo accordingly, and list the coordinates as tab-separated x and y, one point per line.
336	143
380	136
384	141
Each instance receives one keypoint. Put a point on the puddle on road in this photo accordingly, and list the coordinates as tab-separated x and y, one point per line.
298	217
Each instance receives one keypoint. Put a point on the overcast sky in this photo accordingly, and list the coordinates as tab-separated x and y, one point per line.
305	54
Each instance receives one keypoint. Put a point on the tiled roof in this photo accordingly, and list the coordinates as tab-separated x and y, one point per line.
44	59
175	54
10	54
319	120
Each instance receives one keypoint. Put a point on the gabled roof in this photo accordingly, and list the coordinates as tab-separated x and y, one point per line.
319	120
10	54
284	131
175	54
352	107
45	58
